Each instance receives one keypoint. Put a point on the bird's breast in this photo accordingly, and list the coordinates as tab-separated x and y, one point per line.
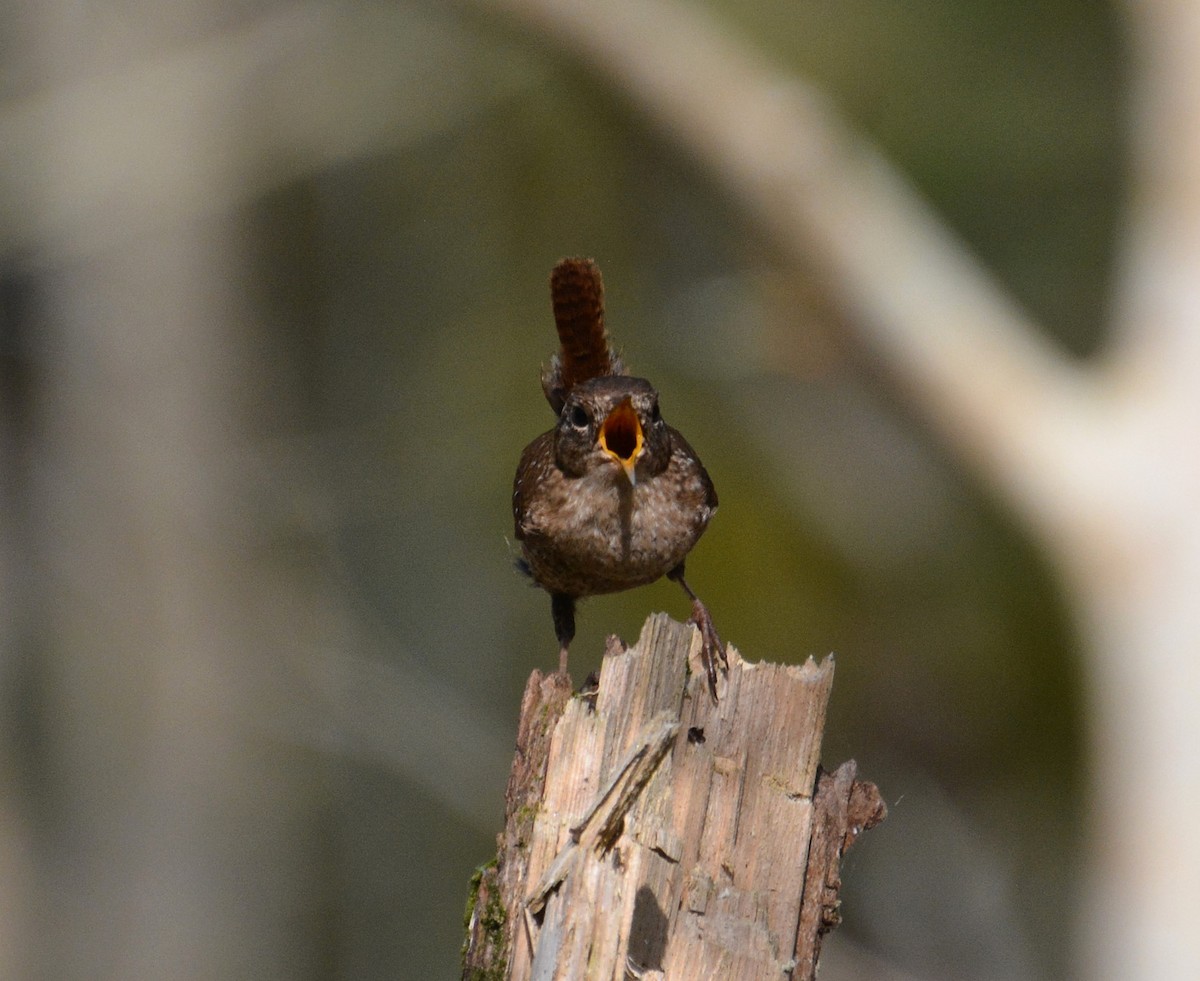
598	534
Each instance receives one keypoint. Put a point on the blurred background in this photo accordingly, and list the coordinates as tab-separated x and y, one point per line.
273	303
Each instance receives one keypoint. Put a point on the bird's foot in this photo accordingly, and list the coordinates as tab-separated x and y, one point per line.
712	651
562	661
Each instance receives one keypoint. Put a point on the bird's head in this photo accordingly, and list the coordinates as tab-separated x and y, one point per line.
612	425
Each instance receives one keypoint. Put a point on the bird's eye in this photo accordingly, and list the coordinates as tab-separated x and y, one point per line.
579	417
655	415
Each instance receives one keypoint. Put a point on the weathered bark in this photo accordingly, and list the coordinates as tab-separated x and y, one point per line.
651	832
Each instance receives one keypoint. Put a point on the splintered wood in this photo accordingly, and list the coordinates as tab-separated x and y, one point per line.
652	834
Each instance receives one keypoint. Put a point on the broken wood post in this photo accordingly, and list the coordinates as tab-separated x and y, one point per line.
651	833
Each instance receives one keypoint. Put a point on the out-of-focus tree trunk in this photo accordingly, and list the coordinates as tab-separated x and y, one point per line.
180	838
181	826
182	842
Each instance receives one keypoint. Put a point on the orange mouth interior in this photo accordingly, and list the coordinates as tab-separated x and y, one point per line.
621	434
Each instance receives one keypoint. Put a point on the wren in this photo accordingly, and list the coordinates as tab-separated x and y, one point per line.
612	497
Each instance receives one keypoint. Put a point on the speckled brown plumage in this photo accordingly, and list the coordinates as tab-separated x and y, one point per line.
611	497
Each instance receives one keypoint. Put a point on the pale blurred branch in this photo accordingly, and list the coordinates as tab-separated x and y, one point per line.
189	131
1161	291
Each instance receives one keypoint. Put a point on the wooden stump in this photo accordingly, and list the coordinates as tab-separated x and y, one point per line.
650	833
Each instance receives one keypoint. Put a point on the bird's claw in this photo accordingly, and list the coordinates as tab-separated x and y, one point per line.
712	651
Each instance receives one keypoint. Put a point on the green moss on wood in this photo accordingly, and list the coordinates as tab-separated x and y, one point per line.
492	919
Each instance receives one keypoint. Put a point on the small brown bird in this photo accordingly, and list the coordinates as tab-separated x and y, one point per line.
611	497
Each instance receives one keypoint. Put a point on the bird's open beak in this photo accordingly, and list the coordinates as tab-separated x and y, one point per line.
621	438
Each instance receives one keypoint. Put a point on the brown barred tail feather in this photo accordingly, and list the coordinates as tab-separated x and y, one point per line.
577	295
